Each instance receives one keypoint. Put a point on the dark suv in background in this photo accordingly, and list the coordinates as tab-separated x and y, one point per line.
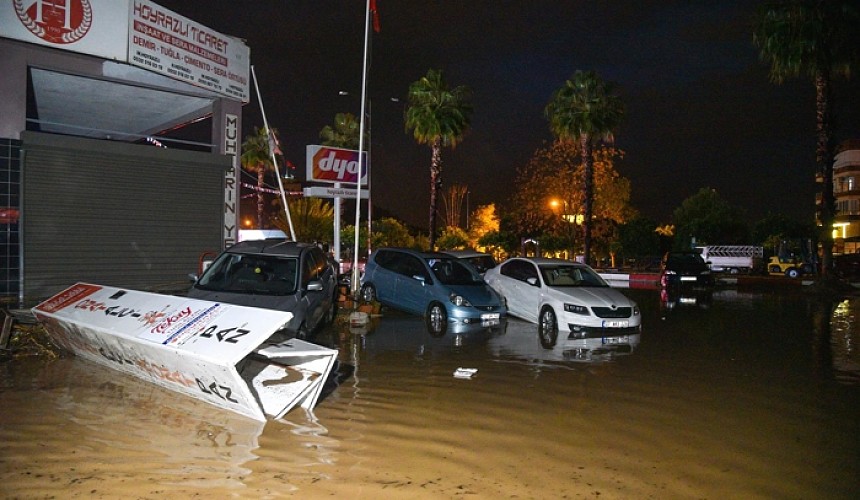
685	268
274	274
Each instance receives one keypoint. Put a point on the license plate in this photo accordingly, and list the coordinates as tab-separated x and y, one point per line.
490	317
624	339
621	323
489	322
688	278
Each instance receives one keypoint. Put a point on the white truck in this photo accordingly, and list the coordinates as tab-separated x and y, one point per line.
733	259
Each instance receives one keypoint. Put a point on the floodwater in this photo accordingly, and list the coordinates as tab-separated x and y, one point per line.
728	395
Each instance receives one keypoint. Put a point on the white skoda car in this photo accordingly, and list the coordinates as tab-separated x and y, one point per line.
560	295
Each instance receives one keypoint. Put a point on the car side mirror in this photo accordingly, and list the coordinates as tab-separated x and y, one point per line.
532	281
419	278
192	277
315	286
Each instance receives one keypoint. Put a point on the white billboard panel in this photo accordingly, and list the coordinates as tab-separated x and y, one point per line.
95	27
165	42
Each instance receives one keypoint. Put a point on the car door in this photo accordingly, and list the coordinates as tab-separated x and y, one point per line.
412	283
521	296
315	301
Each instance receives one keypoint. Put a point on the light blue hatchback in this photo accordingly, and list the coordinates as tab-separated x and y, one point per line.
438	286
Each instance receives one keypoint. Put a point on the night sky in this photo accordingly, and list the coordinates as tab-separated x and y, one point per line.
700	109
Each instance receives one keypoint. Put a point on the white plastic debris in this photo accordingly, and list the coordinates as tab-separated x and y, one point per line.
465	372
358	318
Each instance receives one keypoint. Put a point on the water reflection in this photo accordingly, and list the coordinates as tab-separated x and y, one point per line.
521	341
845	341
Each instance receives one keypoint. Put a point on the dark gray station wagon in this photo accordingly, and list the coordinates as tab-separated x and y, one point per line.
274	274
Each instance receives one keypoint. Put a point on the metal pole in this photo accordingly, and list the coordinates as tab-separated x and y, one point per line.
274	159
361	166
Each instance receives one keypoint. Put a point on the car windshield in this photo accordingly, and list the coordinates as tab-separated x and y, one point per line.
566	276
685	260
452	272
256	274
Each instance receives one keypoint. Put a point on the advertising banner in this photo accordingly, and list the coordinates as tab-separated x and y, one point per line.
165	42
332	165
94	27
207	350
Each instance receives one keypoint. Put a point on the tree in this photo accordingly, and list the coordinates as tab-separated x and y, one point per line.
312	219
709	219
437	116
389	232
453	238
639	238
819	40
584	110
453	202
344	133
482	221
550	193
257	159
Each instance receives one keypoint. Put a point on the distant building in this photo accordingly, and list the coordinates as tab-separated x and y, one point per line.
846	191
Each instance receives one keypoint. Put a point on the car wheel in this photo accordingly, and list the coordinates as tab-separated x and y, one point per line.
368	293
437	319
331	314
774	269
547	328
792	273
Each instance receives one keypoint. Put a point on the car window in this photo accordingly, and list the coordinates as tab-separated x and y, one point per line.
519	270
386	259
260	274
411	266
482	262
453	272
570	276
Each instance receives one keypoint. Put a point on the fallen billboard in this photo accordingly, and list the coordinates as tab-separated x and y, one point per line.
223	354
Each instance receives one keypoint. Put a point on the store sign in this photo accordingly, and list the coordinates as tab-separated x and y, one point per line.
96	27
137	32
328	164
167	43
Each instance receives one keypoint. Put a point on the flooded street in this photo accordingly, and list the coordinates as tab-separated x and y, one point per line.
729	395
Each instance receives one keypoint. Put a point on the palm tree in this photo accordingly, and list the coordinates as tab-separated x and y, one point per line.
818	40
440	117
585	110
257	159
344	133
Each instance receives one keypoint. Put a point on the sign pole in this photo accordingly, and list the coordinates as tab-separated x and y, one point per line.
361	162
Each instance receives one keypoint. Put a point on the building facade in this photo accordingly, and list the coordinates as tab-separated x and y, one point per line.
846	191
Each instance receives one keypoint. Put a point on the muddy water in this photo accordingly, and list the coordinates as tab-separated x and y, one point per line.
734	395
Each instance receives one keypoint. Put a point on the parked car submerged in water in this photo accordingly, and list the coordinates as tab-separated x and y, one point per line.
435	285
685	268
563	295
274	274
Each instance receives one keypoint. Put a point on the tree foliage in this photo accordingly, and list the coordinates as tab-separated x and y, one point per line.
453	238
483	220
548	201
257	159
586	111
313	219
819	40
709	219
438	116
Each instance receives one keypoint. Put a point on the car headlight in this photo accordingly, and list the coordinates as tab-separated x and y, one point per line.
635	310
576	309
669	271
458	300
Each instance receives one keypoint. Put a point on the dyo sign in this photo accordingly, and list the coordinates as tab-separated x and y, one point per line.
334	165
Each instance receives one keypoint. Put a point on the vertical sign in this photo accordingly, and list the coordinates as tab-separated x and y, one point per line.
231	194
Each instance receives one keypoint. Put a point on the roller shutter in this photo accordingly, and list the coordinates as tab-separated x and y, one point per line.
116	214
